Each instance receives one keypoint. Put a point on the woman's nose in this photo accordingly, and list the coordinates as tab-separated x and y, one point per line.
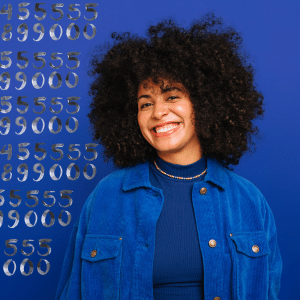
160	109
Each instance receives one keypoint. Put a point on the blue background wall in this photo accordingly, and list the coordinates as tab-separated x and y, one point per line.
271	36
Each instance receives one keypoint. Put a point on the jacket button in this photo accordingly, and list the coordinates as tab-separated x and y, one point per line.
217	298
203	191
255	248
212	243
93	253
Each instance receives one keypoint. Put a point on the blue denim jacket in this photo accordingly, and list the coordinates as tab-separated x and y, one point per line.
111	249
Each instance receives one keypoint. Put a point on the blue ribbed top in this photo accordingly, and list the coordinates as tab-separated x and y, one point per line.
177	266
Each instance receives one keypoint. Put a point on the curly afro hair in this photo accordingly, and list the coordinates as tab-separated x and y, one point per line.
208	59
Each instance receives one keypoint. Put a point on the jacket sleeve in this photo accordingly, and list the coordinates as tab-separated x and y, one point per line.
69	286
274	259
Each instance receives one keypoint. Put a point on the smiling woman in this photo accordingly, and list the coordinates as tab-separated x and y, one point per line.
174	111
165	117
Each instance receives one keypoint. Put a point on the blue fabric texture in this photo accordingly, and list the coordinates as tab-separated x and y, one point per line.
177	267
111	248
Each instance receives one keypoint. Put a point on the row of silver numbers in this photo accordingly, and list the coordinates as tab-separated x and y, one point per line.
22	267
20	76
14	215
55	9
39	169
38	57
43	243
7	150
5	123
38	101
7	32
31	195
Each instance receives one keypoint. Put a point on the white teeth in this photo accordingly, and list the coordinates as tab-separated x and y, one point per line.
166	128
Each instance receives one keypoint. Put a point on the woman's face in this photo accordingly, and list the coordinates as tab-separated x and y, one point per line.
165	118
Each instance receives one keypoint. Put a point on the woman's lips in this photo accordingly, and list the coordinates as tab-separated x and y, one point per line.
167	133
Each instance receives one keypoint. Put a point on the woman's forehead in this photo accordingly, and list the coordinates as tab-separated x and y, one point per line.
164	84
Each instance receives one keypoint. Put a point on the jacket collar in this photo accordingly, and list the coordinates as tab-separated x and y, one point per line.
138	175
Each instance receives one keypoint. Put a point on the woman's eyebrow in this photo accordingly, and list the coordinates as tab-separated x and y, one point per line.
165	90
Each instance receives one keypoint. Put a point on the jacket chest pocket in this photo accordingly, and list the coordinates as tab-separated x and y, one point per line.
101	265
250	271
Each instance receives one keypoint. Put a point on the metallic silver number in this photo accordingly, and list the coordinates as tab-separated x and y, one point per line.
27	218
2	198
38	9
74	9
41	31
8	244
25	172
7	125
71	149
26	244
7	170
85	171
8	151
43	244
89	37
37	103
41	171
25	32
21	149
44	215
23	80
7	29
4	102
47	196
68	80
54	102
7	11
30	195
52	32
6	265
66	197
13	196
73	58
53	57
47	266
88	148
34	80
34	125
71	102
55	150
50	126
69	169
61	222
24	125
22	9
68	127
20	57
20	102
89	9
37	148
3	53
69	32
37	58
16	218
55	9
22	267
51	80
6	81
52	172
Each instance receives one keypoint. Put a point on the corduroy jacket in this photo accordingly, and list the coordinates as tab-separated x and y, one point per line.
111	248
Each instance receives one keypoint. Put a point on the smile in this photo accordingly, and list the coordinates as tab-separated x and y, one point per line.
165	130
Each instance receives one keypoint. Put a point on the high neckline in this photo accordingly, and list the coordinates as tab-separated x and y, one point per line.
181	170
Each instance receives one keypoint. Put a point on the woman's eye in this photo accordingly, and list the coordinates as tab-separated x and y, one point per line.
172	98
145	105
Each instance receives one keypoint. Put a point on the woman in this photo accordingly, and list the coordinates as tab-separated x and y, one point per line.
174	110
